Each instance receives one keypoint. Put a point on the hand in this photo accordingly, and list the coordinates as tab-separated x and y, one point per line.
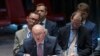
73	54
26	54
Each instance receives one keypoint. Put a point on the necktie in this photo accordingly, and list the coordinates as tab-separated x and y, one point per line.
72	48
39	50
28	35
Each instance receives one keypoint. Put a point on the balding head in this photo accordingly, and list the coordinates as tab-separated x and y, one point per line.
38	27
39	33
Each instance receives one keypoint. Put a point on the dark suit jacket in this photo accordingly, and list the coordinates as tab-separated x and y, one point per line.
52	27
50	47
92	29
83	41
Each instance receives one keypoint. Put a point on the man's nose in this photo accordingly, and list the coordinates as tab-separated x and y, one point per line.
39	12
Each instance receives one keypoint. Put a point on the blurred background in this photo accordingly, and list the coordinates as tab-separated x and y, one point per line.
13	13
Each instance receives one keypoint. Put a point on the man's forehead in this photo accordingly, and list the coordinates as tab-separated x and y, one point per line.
77	16
40	8
38	27
32	15
38	32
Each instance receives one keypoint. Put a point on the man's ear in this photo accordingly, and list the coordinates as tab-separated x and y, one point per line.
27	18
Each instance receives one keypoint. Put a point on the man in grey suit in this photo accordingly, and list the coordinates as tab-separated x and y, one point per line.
20	35
40	43
41	9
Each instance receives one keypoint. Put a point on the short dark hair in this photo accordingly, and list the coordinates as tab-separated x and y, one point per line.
42	4
83	7
34	13
74	13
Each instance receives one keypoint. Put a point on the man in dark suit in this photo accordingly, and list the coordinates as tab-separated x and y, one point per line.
51	26
84	8
67	35
93	31
49	45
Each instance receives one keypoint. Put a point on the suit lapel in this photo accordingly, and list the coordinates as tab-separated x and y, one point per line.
46	24
46	46
80	36
23	35
25	32
68	34
34	48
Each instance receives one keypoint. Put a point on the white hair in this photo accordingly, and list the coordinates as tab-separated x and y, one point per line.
38	26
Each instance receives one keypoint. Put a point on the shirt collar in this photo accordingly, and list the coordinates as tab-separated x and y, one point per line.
44	21
28	30
72	29
84	22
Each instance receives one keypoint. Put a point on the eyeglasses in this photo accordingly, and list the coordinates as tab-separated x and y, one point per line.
34	19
